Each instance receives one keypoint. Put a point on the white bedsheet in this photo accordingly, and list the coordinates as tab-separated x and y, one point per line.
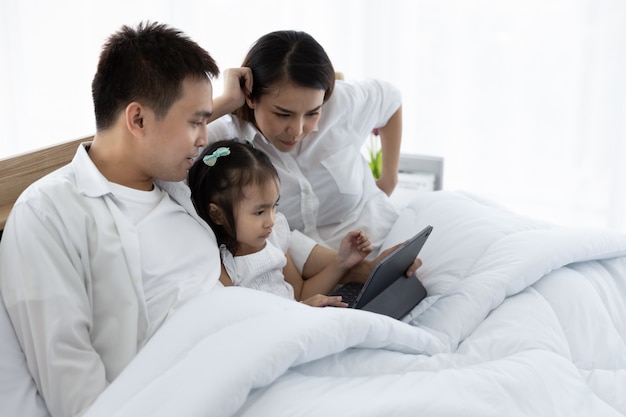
522	318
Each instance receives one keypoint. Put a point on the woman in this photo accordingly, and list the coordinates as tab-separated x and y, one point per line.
285	99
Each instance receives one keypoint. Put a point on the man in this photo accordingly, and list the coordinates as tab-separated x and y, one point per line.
96	255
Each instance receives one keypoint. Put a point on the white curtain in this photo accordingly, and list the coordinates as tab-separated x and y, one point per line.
525	99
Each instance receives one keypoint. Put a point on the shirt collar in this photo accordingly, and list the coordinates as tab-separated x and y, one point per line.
92	183
89	179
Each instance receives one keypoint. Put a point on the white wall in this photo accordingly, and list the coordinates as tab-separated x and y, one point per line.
525	99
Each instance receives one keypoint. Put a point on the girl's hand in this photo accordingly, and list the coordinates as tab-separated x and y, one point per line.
320	300
353	249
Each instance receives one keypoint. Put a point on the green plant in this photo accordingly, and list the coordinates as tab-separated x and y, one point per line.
375	154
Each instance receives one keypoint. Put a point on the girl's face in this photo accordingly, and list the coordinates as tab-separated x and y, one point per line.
287	114
254	217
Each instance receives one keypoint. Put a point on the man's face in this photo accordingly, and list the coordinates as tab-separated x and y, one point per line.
173	140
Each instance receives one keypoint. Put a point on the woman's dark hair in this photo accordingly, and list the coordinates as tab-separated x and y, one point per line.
283	57
147	65
223	183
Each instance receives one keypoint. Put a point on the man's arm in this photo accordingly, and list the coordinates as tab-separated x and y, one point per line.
49	306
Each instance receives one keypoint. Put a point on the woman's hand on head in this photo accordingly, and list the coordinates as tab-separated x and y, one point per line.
321	300
237	86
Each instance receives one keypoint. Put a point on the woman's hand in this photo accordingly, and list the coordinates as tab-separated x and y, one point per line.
320	300
237	86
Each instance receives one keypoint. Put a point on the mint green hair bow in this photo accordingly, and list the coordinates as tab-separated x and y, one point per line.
210	160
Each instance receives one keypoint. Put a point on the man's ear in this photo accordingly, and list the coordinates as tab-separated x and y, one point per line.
135	118
216	214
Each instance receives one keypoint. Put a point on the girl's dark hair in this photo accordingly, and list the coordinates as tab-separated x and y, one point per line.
287	56
148	65
223	183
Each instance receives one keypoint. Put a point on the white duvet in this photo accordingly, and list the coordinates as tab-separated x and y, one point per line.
522	318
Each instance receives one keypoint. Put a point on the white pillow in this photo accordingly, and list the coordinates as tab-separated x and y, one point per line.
18	393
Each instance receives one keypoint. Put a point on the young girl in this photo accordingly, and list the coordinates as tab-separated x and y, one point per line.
235	188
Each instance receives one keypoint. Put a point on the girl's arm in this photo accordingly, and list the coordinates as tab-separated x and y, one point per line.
354	248
390	140
225	278
315	299
321	283
319	257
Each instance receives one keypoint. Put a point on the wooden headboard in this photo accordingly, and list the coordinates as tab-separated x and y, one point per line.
18	172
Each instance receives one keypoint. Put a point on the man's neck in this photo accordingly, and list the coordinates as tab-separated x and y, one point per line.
113	157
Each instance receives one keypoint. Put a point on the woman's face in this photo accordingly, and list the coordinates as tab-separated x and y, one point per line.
287	114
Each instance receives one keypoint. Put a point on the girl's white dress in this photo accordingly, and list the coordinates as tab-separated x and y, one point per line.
263	270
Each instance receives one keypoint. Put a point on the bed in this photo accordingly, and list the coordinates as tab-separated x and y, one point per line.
522	318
